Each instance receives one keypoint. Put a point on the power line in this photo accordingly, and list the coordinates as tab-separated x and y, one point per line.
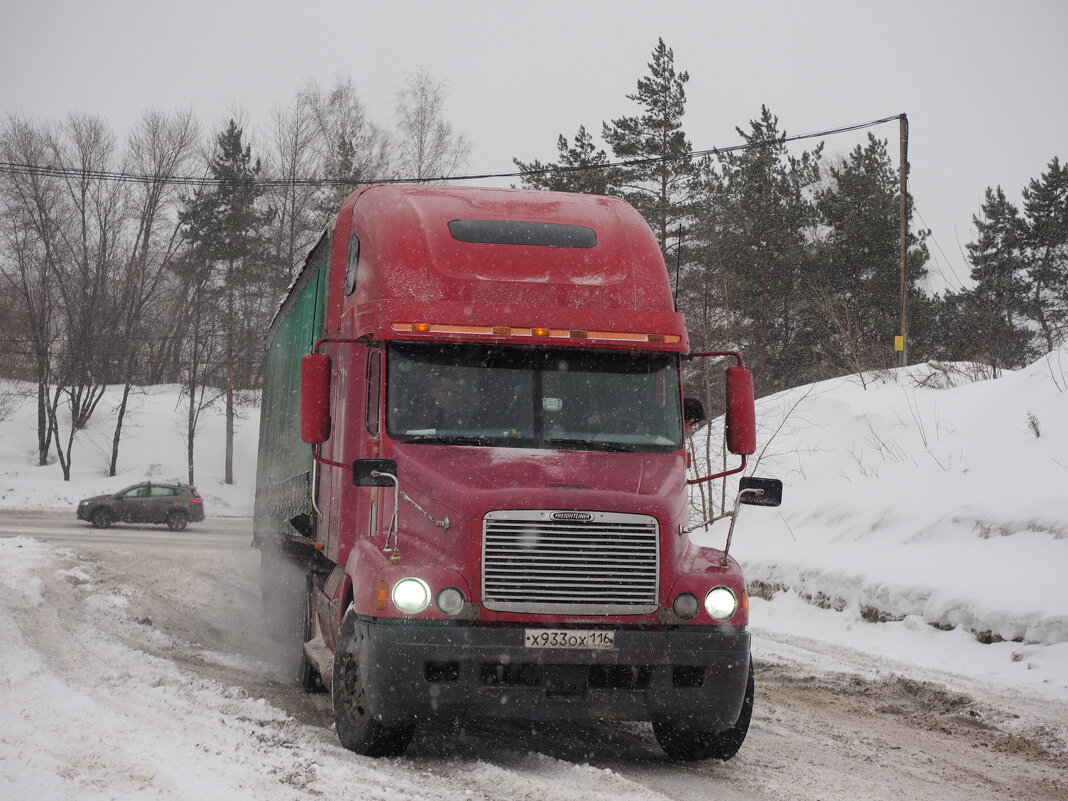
938	245
52	171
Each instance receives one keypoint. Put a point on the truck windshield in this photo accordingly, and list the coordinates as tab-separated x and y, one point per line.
525	397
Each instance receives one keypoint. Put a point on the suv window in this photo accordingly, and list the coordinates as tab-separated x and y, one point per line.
163	492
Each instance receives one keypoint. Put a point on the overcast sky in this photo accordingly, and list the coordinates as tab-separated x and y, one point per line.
982	83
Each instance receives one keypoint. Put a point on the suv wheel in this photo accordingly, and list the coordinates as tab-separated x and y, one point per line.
101	518
177	521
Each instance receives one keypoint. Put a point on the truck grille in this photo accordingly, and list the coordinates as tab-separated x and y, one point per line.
583	563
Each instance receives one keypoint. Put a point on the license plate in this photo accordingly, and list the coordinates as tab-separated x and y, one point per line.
577	639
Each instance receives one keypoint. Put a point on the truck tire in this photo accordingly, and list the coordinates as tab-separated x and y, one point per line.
356	729
684	744
101	518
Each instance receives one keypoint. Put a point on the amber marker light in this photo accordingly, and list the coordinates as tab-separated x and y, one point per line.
541	332
380	595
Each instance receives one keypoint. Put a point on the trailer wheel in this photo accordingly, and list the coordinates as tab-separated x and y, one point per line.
101	518
688	745
356	729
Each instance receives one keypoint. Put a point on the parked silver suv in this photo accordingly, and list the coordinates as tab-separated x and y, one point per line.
177	505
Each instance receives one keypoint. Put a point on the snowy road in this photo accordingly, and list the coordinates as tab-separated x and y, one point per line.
133	666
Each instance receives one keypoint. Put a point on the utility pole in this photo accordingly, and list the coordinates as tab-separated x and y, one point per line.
903	168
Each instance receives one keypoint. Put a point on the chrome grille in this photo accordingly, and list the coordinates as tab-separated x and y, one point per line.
565	562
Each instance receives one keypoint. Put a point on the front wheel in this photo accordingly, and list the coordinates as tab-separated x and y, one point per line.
101	518
688	745
356	729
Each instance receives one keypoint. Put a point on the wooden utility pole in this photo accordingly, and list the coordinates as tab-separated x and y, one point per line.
903	169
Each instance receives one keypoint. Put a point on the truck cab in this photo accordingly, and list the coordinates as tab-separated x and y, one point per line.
472	490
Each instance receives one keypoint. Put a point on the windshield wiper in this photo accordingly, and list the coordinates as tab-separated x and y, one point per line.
450	439
591	444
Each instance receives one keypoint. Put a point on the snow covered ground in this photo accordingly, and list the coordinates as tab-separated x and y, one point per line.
923	534
924	511
153	447
914	499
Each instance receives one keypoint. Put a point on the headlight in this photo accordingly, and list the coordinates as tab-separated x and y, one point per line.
451	601
721	603
411	595
685	606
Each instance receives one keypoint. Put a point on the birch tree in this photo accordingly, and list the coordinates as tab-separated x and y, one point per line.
428	147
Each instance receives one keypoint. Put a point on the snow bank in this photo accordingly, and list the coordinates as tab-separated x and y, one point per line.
912	499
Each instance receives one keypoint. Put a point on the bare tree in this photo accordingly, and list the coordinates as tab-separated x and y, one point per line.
161	147
292	155
428	147
88	269
350	147
32	216
200	357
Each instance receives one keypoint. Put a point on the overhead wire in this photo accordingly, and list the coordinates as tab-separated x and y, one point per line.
53	171
958	285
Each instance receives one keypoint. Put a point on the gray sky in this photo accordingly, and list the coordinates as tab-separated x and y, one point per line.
982	82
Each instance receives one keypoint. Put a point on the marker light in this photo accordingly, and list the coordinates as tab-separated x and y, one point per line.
411	595
721	603
539	332
380	594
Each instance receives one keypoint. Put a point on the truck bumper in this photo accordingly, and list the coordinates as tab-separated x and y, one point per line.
693	676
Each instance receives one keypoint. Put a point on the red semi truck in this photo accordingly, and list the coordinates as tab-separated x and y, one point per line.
492	518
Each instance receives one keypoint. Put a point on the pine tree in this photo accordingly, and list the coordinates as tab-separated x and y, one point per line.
754	227
998	265
581	167
658	185
223	224
1045	203
857	280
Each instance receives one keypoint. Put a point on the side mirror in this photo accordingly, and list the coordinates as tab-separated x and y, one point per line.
741	411
315	398
364	470
763	491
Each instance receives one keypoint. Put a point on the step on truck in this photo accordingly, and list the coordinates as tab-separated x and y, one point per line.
491	519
